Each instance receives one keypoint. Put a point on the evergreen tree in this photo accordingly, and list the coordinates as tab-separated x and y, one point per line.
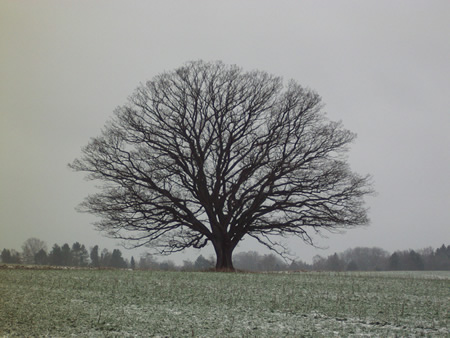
95	259
41	257
394	262
414	261
84	256
76	251
79	255
441	259
117	260
6	256
334	263
55	256
66	255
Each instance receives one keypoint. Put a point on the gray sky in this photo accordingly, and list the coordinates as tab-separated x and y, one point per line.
382	67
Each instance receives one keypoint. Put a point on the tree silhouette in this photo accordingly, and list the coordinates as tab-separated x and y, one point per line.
66	255
209	153
41	257
95	259
79	255
117	260
6	256
56	257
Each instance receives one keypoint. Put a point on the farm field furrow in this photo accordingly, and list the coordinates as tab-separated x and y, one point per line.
208	304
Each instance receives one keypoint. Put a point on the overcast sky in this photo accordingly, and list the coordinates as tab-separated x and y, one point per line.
382	67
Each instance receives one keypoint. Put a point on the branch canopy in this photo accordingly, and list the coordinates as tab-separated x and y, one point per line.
210	153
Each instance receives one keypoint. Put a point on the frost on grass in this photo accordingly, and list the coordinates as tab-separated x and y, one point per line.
138	303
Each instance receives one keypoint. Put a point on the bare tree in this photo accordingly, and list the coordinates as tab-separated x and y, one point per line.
210	153
30	248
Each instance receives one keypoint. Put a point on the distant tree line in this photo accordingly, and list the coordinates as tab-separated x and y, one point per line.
34	251
356	259
376	259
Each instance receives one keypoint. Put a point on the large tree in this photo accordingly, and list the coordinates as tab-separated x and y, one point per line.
210	153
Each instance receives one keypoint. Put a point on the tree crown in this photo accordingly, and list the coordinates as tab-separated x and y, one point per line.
210	153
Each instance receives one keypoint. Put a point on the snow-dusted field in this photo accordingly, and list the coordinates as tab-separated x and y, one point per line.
185	304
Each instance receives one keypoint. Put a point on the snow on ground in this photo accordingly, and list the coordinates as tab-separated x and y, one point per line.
177	304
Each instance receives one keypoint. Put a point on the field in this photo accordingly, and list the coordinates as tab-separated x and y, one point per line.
207	304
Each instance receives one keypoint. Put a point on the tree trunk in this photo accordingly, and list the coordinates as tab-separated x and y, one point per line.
224	252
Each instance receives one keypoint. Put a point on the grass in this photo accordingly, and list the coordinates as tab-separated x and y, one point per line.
185	304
